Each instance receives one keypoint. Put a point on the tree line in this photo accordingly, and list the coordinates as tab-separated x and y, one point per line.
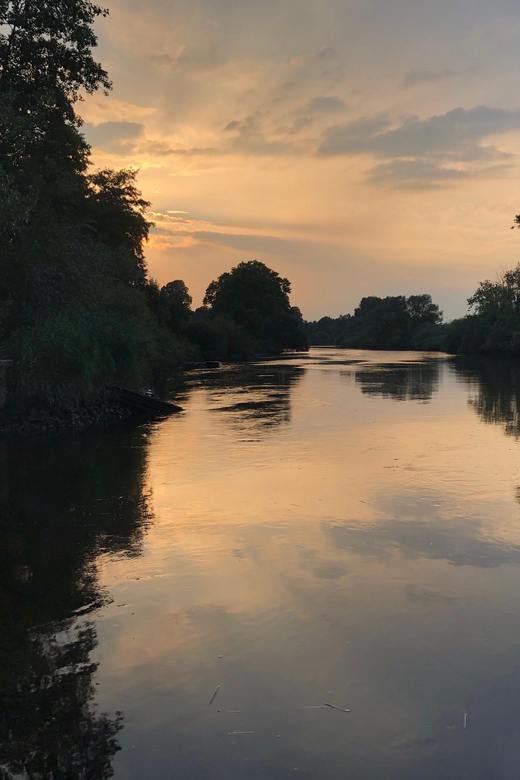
396	322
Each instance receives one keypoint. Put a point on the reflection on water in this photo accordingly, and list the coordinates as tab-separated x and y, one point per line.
62	504
294	539
412	382
496	382
457	541
251	398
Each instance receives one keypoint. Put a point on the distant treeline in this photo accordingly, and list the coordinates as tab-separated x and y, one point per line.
394	322
397	322
78	311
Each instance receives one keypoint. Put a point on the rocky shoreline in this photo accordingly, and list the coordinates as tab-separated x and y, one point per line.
17	421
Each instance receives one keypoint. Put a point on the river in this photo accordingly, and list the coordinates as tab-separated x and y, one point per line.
312	572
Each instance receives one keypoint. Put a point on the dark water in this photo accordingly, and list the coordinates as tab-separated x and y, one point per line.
339	528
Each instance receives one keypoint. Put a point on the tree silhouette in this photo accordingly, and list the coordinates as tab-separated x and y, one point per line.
176	302
257	299
45	62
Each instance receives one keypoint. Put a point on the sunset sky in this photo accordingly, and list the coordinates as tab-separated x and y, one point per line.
358	147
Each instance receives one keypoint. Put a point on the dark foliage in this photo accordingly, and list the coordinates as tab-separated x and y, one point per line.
73	311
45	63
383	323
494	325
256	299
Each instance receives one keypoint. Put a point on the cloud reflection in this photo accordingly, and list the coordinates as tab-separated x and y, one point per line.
456	540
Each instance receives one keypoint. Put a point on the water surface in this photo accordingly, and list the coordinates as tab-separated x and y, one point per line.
340	528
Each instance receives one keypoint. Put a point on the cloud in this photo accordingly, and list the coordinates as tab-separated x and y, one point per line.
251	138
421	76
356	137
97	110
325	105
455	131
447	147
300	124
115	137
163	149
327	53
420	174
128	138
251	243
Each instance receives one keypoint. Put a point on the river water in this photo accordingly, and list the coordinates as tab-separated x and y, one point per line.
204	596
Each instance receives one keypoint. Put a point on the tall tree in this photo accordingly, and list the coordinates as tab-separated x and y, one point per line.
46	63
176	301
257	298
115	211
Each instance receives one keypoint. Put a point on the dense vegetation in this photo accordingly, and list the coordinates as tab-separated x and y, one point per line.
494	324
394	322
77	309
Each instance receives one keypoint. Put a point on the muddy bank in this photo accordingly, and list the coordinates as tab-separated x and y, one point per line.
16	421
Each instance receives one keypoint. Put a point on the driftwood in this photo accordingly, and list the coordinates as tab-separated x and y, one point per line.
143	402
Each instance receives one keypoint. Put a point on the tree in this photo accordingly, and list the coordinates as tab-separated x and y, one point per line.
257	298
115	212
249	287
367	305
494	325
394	322
176	301
45	63
422	310
385	321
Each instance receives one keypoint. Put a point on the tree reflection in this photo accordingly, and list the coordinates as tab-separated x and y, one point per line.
496	382
404	382
253	396
60	507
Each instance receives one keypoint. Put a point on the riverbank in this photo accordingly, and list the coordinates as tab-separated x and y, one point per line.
18	421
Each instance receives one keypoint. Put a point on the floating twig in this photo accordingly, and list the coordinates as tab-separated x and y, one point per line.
231	733
214	695
333	707
465	720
